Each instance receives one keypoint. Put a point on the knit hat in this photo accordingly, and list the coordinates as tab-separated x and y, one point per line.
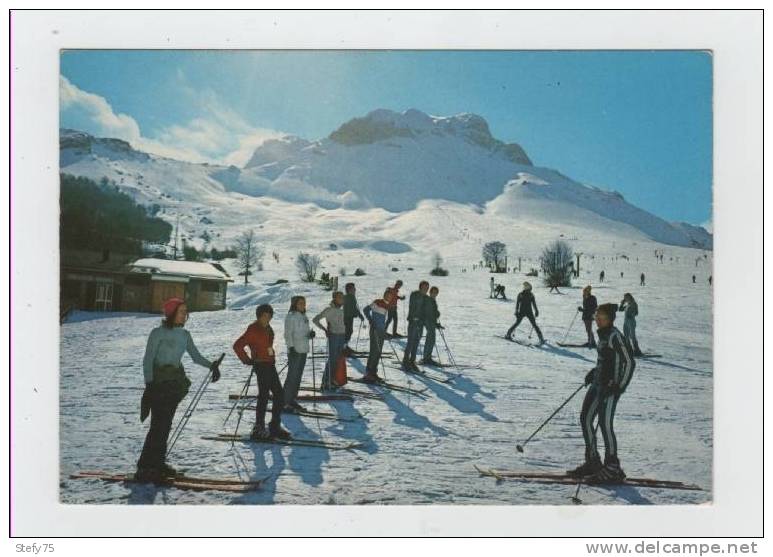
526	286
610	310
171	305
586	290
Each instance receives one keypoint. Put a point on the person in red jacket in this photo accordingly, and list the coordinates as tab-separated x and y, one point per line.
259	338
392	316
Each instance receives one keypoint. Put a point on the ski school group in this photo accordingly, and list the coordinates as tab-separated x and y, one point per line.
166	383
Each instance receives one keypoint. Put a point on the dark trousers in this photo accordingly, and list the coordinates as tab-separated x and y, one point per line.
349	328
163	405
429	341
391	318
374	353
415	330
604	406
518	320
268	381
589	330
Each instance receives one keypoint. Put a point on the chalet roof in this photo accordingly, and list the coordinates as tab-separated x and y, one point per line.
194	269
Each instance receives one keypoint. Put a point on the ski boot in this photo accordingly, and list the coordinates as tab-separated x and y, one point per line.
259	433
638	353
151	475
430	362
610	473
587	468
413	365
278	432
370	377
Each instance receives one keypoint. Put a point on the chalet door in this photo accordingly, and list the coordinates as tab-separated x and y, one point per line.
162	291
103	301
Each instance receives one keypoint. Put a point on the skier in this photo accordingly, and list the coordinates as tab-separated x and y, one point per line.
492	288
415	324
621	274
631	309
376	314
693	279
351	310
523	308
607	381
165	386
588	309
336	335
393	308
259	338
641	280
709	280
297	335
601	276
431	315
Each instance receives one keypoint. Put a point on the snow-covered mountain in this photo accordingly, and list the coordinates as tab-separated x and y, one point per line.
371	168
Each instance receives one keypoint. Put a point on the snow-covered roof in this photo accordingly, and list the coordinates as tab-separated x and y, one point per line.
184	268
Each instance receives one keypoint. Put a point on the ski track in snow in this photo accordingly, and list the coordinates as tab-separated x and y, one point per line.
418	450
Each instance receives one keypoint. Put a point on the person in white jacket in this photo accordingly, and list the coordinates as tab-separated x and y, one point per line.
297	335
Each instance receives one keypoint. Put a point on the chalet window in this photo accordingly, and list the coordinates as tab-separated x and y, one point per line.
104	297
210	286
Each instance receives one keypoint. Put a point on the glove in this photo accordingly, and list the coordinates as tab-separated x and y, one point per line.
536	314
439	326
589	377
215	372
291	350
579	308
312	334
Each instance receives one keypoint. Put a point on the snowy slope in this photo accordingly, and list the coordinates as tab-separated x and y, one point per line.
387	160
418	451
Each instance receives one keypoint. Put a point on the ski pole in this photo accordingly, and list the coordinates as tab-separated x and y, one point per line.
192	406
520	447
357	344
575	499
448	349
242	394
570	326
313	367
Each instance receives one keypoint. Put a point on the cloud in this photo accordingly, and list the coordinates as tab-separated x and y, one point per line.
218	136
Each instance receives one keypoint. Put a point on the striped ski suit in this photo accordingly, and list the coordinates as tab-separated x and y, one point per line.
613	371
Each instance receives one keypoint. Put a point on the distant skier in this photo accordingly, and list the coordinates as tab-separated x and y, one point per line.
525	306
693	279
607	381
415	324
499	291
641	280
259	338
336	336
709	280
621	274
297	335
392	318
165	386
601	276
431	316
492	288
631	309
351	310
588	309
376	314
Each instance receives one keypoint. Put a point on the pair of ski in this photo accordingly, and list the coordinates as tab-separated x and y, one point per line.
563	478
585	345
423	373
306	398
522	342
292	441
313	414
391	386
179	482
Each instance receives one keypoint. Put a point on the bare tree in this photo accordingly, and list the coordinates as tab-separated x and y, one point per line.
557	264
307	265
495	255
248	254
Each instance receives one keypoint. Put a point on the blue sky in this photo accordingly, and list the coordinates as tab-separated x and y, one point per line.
638	122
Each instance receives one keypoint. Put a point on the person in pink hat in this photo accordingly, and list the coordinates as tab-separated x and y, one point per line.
166	385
